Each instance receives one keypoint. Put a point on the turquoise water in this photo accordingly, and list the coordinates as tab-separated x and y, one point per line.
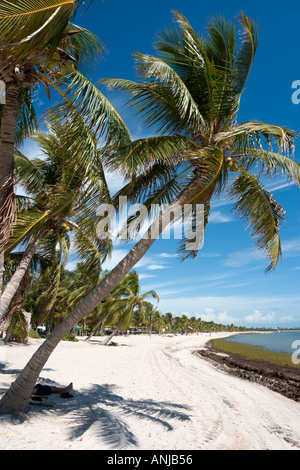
278	342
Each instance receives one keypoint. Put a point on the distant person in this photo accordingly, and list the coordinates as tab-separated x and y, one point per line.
43	391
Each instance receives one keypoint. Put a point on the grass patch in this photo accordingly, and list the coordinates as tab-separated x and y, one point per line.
254	353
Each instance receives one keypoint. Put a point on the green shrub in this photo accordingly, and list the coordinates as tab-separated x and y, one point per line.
33	334
69	337
19	333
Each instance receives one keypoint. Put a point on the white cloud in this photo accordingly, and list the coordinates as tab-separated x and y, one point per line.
217	217
208	255
280	185
258	318
152	267
221	203
285	319
209	311
146	276
168	255
291	246
241	258
221	317
258	310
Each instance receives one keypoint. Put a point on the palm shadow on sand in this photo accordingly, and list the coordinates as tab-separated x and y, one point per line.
100	407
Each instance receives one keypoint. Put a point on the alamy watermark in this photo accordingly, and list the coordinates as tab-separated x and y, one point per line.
185	222
296	354
2	92
296	93
2	353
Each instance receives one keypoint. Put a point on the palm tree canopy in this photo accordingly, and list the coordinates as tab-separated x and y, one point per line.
39	44
127	299
61	207
191	93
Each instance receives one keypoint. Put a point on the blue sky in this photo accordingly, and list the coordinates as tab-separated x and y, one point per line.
227	282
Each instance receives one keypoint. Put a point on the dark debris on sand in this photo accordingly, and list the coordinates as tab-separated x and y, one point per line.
283	380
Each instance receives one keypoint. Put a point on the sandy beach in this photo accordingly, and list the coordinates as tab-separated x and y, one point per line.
148	394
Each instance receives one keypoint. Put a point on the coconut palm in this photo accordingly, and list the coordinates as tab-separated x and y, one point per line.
192	94
148	315
158	321
12	262
62	205
39	44
126	300
192	91
169	320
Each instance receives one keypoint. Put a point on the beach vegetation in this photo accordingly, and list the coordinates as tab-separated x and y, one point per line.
70	337
254	353
39	45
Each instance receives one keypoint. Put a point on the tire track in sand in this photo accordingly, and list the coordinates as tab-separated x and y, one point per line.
205	424
223	412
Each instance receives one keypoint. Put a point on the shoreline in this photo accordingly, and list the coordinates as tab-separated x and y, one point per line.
281	379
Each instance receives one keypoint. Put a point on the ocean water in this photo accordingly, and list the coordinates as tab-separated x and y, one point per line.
285	341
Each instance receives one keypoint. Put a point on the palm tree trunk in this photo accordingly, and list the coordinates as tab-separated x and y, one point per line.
150	326
20	272
17	397
1	274
10	327
111	335
9	122
96	327
16	306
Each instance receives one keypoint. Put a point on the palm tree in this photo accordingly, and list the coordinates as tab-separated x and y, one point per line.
12	262
126	300
192	92
39	44
148	315
183	323
63	197
169	320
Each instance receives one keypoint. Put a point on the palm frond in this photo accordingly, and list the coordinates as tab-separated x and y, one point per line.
82	45
245	57
261	212
159	71
140	155
271	163
185	52
28	174
29	28
155	103
97	112
27	225
253	134
210	166
221	42
27	118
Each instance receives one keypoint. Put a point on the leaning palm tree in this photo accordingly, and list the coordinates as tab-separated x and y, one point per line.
192	94
129	300
38	44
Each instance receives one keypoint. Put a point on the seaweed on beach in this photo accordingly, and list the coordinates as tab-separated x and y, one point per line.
270	369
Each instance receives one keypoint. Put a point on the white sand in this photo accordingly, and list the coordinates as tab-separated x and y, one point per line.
150	394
